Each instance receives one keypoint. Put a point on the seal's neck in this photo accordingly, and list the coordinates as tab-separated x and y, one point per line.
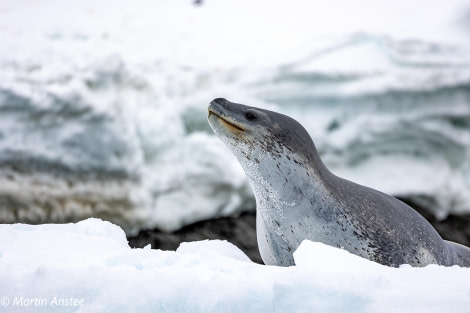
281	180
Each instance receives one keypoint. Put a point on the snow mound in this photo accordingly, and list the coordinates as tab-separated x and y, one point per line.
88	267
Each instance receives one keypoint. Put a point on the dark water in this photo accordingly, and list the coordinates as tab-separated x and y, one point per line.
241	231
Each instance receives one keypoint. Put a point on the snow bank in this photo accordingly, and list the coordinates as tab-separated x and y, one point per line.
103	111
88	267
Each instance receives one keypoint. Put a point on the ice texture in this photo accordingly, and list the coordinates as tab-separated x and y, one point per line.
90	265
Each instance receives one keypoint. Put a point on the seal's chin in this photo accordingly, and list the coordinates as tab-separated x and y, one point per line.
232	127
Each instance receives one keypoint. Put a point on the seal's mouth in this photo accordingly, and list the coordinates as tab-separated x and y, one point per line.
228	124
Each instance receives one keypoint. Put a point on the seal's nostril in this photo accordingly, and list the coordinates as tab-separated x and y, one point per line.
219	101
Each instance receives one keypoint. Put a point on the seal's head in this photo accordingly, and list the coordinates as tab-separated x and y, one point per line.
249	131
281	162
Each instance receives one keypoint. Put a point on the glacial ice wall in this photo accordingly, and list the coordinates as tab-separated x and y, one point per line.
95	144
103	112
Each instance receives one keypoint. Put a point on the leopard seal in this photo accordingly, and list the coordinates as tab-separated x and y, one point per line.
298	198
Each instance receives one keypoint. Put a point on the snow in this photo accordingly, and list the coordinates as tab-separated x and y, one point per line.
88	267
103	104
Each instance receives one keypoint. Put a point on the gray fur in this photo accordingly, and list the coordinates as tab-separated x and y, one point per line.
298	198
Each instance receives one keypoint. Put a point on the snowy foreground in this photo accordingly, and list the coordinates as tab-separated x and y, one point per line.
89	267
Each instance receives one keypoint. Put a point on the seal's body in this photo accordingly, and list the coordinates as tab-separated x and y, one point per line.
298	198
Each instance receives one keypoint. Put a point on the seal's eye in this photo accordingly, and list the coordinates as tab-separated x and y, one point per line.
250	115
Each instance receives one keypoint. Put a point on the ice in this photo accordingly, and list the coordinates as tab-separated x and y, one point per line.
103	111
90	264
212	247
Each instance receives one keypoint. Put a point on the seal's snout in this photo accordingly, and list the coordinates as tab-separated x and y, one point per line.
218	106
222	111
